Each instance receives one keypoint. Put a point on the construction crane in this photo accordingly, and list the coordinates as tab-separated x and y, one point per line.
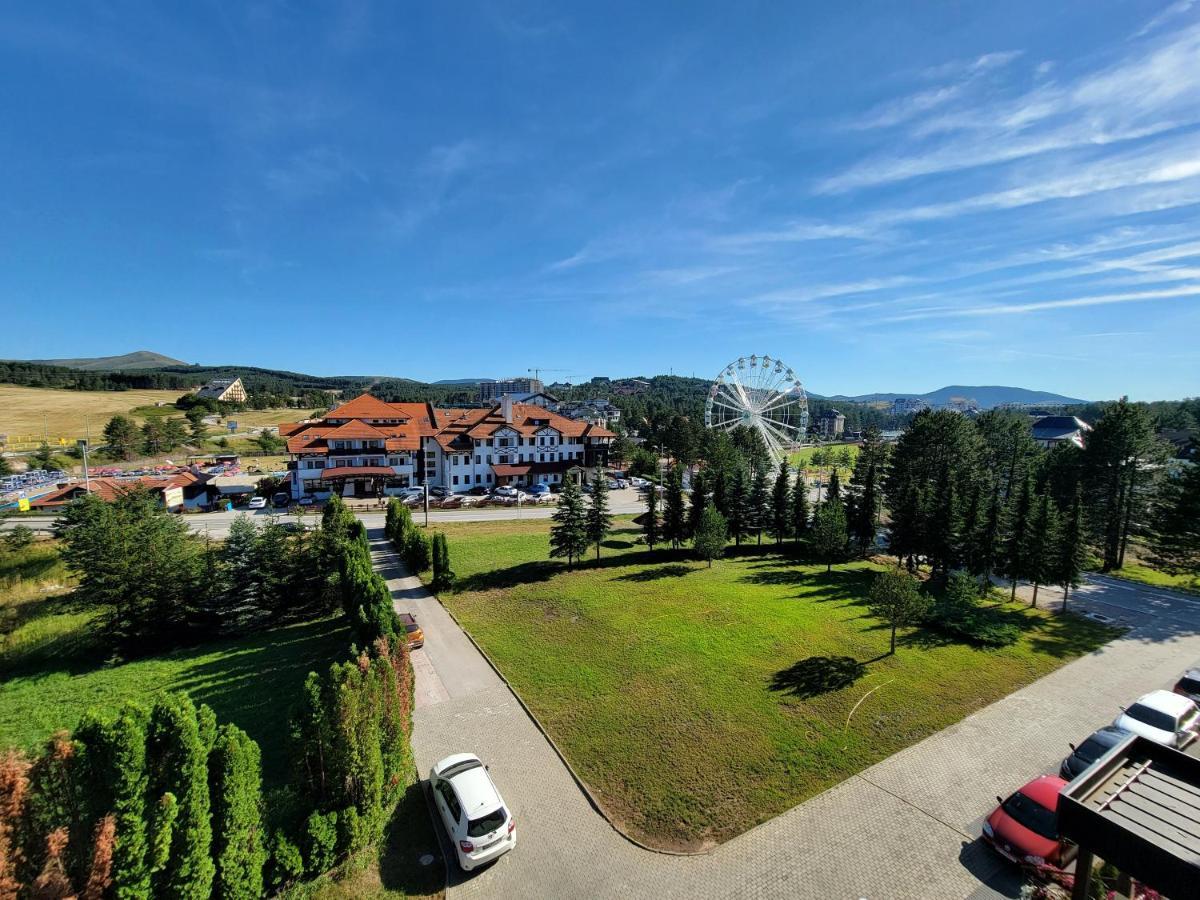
538	370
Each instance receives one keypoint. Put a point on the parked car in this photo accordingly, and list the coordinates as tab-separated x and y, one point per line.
439	492
257	503
539	490
1189	685
618	484
416	637
478	491
306	501
1097	744
281	499
474	814
1164	717
1024	828
411	492
639	483
506	491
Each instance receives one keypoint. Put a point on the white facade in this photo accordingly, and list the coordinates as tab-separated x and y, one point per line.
460	469
365	452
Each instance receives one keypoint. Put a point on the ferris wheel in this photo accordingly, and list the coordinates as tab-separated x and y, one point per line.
760	393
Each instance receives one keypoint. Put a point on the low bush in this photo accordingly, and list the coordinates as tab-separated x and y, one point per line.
957	612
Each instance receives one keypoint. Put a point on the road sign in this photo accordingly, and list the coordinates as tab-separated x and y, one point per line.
23	504
231	425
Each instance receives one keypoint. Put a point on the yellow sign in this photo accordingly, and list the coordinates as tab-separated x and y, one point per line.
23	504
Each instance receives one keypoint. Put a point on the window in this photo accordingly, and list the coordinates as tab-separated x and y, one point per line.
477	458
1032	815
456	479
450	799
1155	718
486	824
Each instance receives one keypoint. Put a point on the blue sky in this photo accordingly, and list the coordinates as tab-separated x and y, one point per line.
887	198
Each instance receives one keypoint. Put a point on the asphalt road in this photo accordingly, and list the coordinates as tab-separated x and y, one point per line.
216	524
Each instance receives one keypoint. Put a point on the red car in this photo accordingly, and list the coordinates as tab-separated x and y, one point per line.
1024	828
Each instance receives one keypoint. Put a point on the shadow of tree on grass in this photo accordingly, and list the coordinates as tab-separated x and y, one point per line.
674	570
818	675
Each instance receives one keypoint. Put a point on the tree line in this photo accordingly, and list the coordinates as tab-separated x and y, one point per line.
162	801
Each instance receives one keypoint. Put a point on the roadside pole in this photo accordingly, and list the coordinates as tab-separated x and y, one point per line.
426	486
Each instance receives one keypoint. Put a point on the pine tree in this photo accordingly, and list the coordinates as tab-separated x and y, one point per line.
1042	547
1114	455
115	755
674	516
443	575
829	537
781	519
739	507
1068	564
568	534
711	535
944	529
599	519
239	840
650	524
799	511
1016	543
908	526
700	500
759	504
121	437
1175	523
833	492
896	598
177	760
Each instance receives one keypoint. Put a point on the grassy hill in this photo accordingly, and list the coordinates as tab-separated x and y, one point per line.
139	359
26	413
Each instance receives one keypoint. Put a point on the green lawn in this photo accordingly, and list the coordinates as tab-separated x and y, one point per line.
698	702
53	668
803	458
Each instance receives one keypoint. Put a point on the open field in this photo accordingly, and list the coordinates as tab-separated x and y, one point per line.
803	457
699	702
52	668
27	413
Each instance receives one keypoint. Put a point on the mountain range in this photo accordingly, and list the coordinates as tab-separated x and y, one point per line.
987	396
138	359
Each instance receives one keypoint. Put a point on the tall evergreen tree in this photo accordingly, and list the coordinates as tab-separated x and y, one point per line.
799	506
177	760
239	844
739	507
568	534
674	515
829	535
1017	529
121	437
907	538
781	518
711	535
833	491
699	501
1175	523
1068	565
599	519
1043	543
944	529
650	522
115	755
1114	456
759	504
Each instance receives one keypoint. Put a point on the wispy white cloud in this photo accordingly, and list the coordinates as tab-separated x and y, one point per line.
1176	9
1147	93
903	109
1009	309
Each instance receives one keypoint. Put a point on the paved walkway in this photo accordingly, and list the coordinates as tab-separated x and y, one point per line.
905	827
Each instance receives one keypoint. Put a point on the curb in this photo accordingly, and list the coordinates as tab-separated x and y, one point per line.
580	783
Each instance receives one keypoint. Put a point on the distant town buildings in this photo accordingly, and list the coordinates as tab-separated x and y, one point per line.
598	411
493	390
830	423
902	406
369	448
1051	430
224	390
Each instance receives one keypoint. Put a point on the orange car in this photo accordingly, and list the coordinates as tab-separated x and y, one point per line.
416	637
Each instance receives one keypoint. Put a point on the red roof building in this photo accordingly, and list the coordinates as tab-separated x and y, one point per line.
369	447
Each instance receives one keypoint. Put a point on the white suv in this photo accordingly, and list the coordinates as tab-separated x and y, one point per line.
476	819
1163	717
